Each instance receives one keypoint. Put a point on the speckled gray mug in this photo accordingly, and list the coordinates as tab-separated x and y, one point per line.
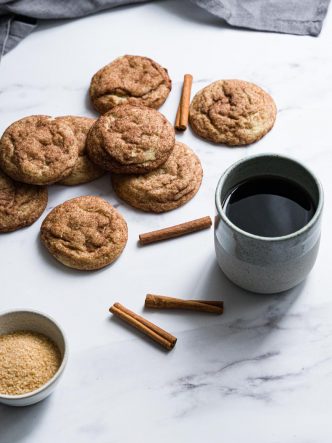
267	264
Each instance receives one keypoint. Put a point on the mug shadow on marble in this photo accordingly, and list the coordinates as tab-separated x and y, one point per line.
16	422
246	313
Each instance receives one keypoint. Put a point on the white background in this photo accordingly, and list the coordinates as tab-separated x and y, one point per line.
262	372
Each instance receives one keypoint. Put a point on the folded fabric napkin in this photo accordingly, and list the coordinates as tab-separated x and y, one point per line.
304	17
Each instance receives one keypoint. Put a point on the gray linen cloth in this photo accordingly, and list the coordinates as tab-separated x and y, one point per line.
304	17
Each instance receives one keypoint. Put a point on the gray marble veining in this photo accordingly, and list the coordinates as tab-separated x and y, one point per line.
260	373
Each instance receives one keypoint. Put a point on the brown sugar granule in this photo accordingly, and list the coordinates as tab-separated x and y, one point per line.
27	361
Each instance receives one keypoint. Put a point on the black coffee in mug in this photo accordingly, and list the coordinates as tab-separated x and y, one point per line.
269	206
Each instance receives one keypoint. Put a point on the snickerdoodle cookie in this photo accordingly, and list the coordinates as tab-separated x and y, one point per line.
130	139
130	79
38	150
20	204
168	187
85	233
84	170
233	112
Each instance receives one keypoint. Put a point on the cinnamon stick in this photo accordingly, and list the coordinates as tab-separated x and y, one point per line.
163	302
181	120
175	231
153	331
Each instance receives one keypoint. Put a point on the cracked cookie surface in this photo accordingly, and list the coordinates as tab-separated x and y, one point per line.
166	188
20	204
38	150
84	170
130	139
130	79
233	112
85	233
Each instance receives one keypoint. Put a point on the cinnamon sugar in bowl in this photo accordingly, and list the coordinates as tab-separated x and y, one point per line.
33	354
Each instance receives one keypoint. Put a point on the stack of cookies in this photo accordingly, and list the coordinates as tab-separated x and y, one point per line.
83	233
42	150
133	141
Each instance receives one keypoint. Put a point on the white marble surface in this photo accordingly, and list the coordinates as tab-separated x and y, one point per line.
262	372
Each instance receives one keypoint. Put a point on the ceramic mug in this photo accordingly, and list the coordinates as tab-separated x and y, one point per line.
267	264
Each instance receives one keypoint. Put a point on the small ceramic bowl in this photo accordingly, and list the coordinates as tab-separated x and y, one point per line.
267	264
36	322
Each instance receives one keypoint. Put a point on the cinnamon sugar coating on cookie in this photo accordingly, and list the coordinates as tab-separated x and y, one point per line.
233	112
84	170
20	204
38	150
130	139
166	188
85	233
130	79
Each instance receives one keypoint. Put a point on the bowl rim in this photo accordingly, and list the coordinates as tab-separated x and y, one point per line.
292	235
63	361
